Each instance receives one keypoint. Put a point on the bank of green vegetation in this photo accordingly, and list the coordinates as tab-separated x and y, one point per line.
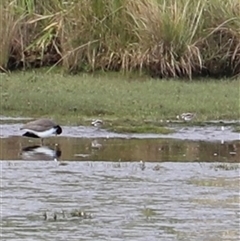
124	103
160	38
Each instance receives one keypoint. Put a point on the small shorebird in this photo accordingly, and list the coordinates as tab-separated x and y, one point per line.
97	122
41	128
186	116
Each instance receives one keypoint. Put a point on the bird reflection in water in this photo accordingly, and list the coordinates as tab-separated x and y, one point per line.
41	153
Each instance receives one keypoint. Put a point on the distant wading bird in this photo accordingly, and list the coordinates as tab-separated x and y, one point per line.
41	128
97	122
186	116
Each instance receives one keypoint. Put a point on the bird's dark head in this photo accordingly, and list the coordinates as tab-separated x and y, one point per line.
58	129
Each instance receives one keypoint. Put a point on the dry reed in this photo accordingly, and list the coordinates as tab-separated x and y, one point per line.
176	38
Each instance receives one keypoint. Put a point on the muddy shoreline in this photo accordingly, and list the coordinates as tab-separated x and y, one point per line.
195	133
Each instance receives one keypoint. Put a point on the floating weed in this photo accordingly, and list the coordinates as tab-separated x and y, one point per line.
225	166
62	163
80	214
148	212
61	216
140	129
218	182
45	216
217	202
50	216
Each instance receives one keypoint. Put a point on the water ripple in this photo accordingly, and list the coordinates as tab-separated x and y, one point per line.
181	201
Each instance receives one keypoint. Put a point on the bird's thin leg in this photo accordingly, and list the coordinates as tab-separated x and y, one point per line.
41	142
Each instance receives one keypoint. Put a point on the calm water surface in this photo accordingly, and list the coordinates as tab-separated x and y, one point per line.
129	189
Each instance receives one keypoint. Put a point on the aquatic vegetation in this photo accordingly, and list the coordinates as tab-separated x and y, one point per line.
140	129
80	214
225	166
236	128
217	182
148	212
64	215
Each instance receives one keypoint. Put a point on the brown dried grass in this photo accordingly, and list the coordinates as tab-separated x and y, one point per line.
164	38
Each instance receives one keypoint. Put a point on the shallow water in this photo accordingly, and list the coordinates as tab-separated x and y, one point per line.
195	133
178	201
132	188
119	149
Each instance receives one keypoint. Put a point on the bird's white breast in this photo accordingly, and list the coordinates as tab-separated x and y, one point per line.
43	134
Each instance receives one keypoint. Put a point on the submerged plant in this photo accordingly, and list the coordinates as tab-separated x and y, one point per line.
226	167
55	216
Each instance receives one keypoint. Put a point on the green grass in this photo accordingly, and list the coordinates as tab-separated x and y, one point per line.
125	103
237	128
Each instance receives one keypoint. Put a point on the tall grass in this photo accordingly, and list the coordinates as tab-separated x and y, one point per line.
165	38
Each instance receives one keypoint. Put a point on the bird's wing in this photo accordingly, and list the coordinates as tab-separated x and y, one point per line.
39	125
